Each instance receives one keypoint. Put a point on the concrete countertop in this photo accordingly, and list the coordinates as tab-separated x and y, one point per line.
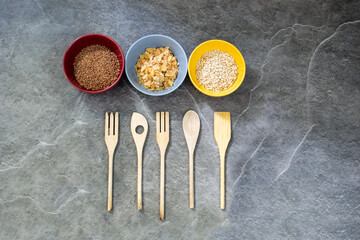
293	168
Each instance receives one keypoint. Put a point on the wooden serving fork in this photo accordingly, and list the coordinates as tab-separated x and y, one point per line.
111	140
162	137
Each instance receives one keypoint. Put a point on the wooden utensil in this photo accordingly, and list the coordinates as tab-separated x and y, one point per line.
222	134
191	127
139	138
162	137
111	140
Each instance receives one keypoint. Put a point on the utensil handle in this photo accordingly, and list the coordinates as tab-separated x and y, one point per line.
110	179
191	179
139	179
162	185
222	180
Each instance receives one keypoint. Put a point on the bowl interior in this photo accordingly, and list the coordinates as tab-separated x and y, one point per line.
82	42
223	46
155	41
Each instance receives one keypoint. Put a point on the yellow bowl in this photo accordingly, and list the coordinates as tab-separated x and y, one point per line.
223	46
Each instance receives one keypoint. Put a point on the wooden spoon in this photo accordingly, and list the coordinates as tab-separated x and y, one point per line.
191	126
222	134
139	120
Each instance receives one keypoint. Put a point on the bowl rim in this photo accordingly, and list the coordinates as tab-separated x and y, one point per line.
122	64
155	93
201	90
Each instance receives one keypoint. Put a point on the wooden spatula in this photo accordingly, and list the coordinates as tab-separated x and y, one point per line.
139	138
222	134
191	127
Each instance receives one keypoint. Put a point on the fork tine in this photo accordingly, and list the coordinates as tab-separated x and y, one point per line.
167	125
157	122
111	124
116	124
106	124
162	122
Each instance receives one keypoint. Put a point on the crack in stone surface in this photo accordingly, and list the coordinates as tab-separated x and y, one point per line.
44	144
79	191
247	161
293	154
259	82
146	109
293	29
58	210
310	66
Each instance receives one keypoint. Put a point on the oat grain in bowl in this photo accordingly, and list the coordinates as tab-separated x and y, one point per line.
216	70
96	67
157	68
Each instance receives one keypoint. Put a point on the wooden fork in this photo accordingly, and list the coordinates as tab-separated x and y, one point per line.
111	140
162	137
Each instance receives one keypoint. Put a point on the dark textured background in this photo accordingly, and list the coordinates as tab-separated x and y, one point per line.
293	169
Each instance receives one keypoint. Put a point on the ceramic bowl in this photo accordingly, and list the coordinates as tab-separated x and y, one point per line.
77	45
223	46
155	41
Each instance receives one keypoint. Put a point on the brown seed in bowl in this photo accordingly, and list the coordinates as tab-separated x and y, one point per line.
96	67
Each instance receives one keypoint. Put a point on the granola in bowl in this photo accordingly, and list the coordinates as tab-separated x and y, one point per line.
157	68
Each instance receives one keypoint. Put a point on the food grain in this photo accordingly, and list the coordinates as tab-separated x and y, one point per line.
96	67
216	70
157	68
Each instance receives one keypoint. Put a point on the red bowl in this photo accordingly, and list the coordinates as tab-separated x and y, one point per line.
77	45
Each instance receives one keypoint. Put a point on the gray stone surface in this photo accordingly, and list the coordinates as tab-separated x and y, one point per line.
293	168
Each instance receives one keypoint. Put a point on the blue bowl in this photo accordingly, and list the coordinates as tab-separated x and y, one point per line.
155	41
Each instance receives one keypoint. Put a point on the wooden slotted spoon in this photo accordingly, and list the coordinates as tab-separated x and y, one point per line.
191	127
139	138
